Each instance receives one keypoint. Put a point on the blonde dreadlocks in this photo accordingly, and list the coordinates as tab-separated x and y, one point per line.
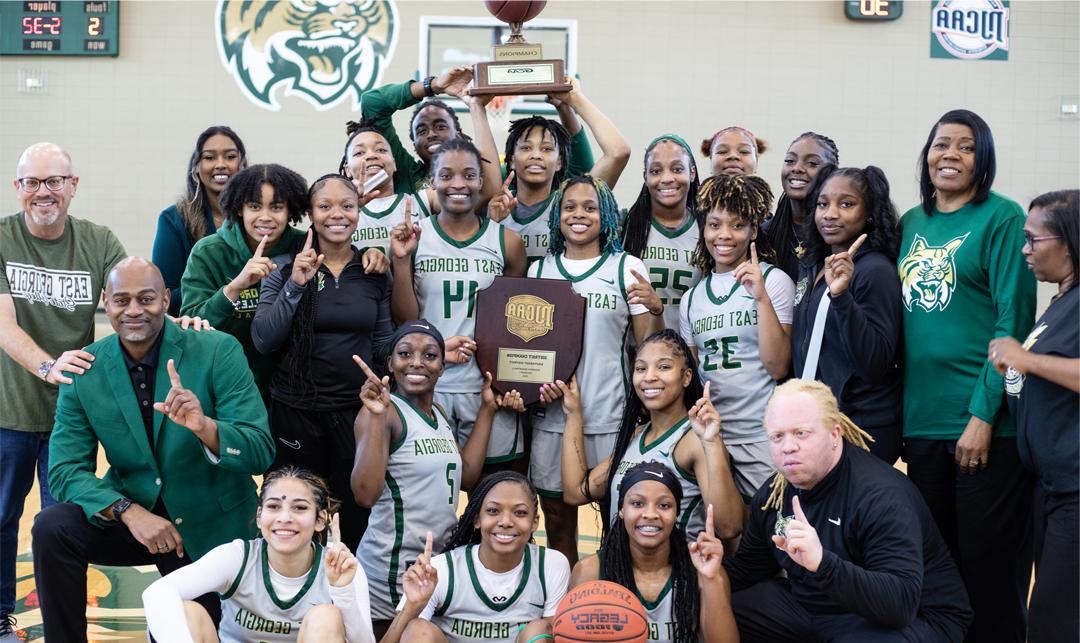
748	197
830	416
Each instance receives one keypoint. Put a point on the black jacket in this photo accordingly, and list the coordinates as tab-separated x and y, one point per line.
884	558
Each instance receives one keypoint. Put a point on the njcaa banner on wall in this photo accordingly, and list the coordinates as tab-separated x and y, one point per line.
323	51
970	29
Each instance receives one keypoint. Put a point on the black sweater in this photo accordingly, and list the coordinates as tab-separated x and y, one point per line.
861	347
884	558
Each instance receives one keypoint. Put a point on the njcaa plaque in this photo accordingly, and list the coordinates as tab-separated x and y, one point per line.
528	333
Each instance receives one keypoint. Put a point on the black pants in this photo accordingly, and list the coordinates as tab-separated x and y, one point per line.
1054	613
323	443
767	612
64	544
984	519
887	441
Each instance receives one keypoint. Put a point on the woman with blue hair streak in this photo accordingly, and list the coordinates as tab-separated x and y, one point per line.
662	227
586	251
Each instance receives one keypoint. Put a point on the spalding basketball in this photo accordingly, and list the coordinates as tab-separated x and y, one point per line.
515	10
600	611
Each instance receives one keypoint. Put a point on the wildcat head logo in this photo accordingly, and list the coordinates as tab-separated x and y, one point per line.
928	274
320	50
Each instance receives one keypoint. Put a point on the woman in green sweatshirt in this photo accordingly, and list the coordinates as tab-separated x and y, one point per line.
963	283
223	274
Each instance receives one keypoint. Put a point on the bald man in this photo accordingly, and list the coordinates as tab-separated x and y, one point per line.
183	428
54	267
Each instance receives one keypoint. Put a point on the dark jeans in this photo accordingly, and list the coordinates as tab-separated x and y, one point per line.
323	443
985	520
767	612
21	452
1054	613
65	543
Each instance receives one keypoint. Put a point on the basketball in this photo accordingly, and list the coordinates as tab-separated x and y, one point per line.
515	10
600	611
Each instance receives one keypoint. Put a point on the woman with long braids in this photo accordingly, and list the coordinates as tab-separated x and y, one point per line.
737	319
318	307
852	244
219	154
662	227
585	250
963	283
407	465
808	153
684	588
733	151
492	546
664	421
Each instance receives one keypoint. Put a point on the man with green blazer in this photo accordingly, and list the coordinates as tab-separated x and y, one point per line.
183	428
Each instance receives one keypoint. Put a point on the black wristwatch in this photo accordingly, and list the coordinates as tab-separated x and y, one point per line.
119	507
428	89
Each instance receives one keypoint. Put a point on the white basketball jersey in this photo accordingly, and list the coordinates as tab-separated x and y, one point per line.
252	611
658	613
447	275
469	611
719	317
379	217
533	227
667	255
423	478
603	371
691	511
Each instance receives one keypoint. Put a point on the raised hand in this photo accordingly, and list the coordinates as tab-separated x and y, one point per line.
707	553
510	400
375	262
76	361
570	394
459	349
339	563
306	263
641	292
375	393
840	266
453	81
568	98
181	405
749	275
421	578
405	236
503	203
256	269
704	418
800	539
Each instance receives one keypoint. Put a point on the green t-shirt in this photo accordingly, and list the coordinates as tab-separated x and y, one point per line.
56	286
963	283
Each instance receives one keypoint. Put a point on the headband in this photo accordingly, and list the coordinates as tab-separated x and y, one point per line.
421	326
650	471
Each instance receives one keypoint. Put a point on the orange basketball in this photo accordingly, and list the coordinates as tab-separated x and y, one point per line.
600	611
515	10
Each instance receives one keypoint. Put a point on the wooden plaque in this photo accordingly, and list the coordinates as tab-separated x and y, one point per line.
528	333
539	77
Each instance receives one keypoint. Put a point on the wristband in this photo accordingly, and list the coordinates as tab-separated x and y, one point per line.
428	89
659	313
541	637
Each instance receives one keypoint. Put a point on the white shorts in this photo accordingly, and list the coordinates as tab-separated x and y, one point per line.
751	466
507	441
545	458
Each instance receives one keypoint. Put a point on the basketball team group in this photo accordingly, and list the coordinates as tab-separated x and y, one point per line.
756	356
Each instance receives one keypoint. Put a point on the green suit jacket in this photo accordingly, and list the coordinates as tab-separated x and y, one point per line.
210	502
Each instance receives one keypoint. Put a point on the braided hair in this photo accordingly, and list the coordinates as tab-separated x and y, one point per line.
882	226
617	565
465	532
779	230
521	128
302	334
639	217
746	196
609	216
830	416
352	130
634	413
325	504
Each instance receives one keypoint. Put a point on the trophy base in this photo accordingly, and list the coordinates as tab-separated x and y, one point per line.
539	77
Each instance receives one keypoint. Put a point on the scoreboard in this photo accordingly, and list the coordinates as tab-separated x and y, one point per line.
60	28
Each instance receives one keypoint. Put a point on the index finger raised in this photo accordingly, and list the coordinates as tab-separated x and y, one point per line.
855	246
508	181
408	210
796	506
364	367
174	377
307	242
259	249
637	275
428	547
705	392
753	253
710	530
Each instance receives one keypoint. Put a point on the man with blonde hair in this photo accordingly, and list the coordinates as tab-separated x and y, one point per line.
863	557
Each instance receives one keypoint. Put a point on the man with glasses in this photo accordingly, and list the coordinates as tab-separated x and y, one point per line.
54	269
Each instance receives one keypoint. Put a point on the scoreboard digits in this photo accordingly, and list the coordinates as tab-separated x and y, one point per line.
60	28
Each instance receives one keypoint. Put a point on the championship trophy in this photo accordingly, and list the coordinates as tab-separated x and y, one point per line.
518	67
528	332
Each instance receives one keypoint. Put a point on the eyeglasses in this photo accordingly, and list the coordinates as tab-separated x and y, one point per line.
1030	241
53	183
